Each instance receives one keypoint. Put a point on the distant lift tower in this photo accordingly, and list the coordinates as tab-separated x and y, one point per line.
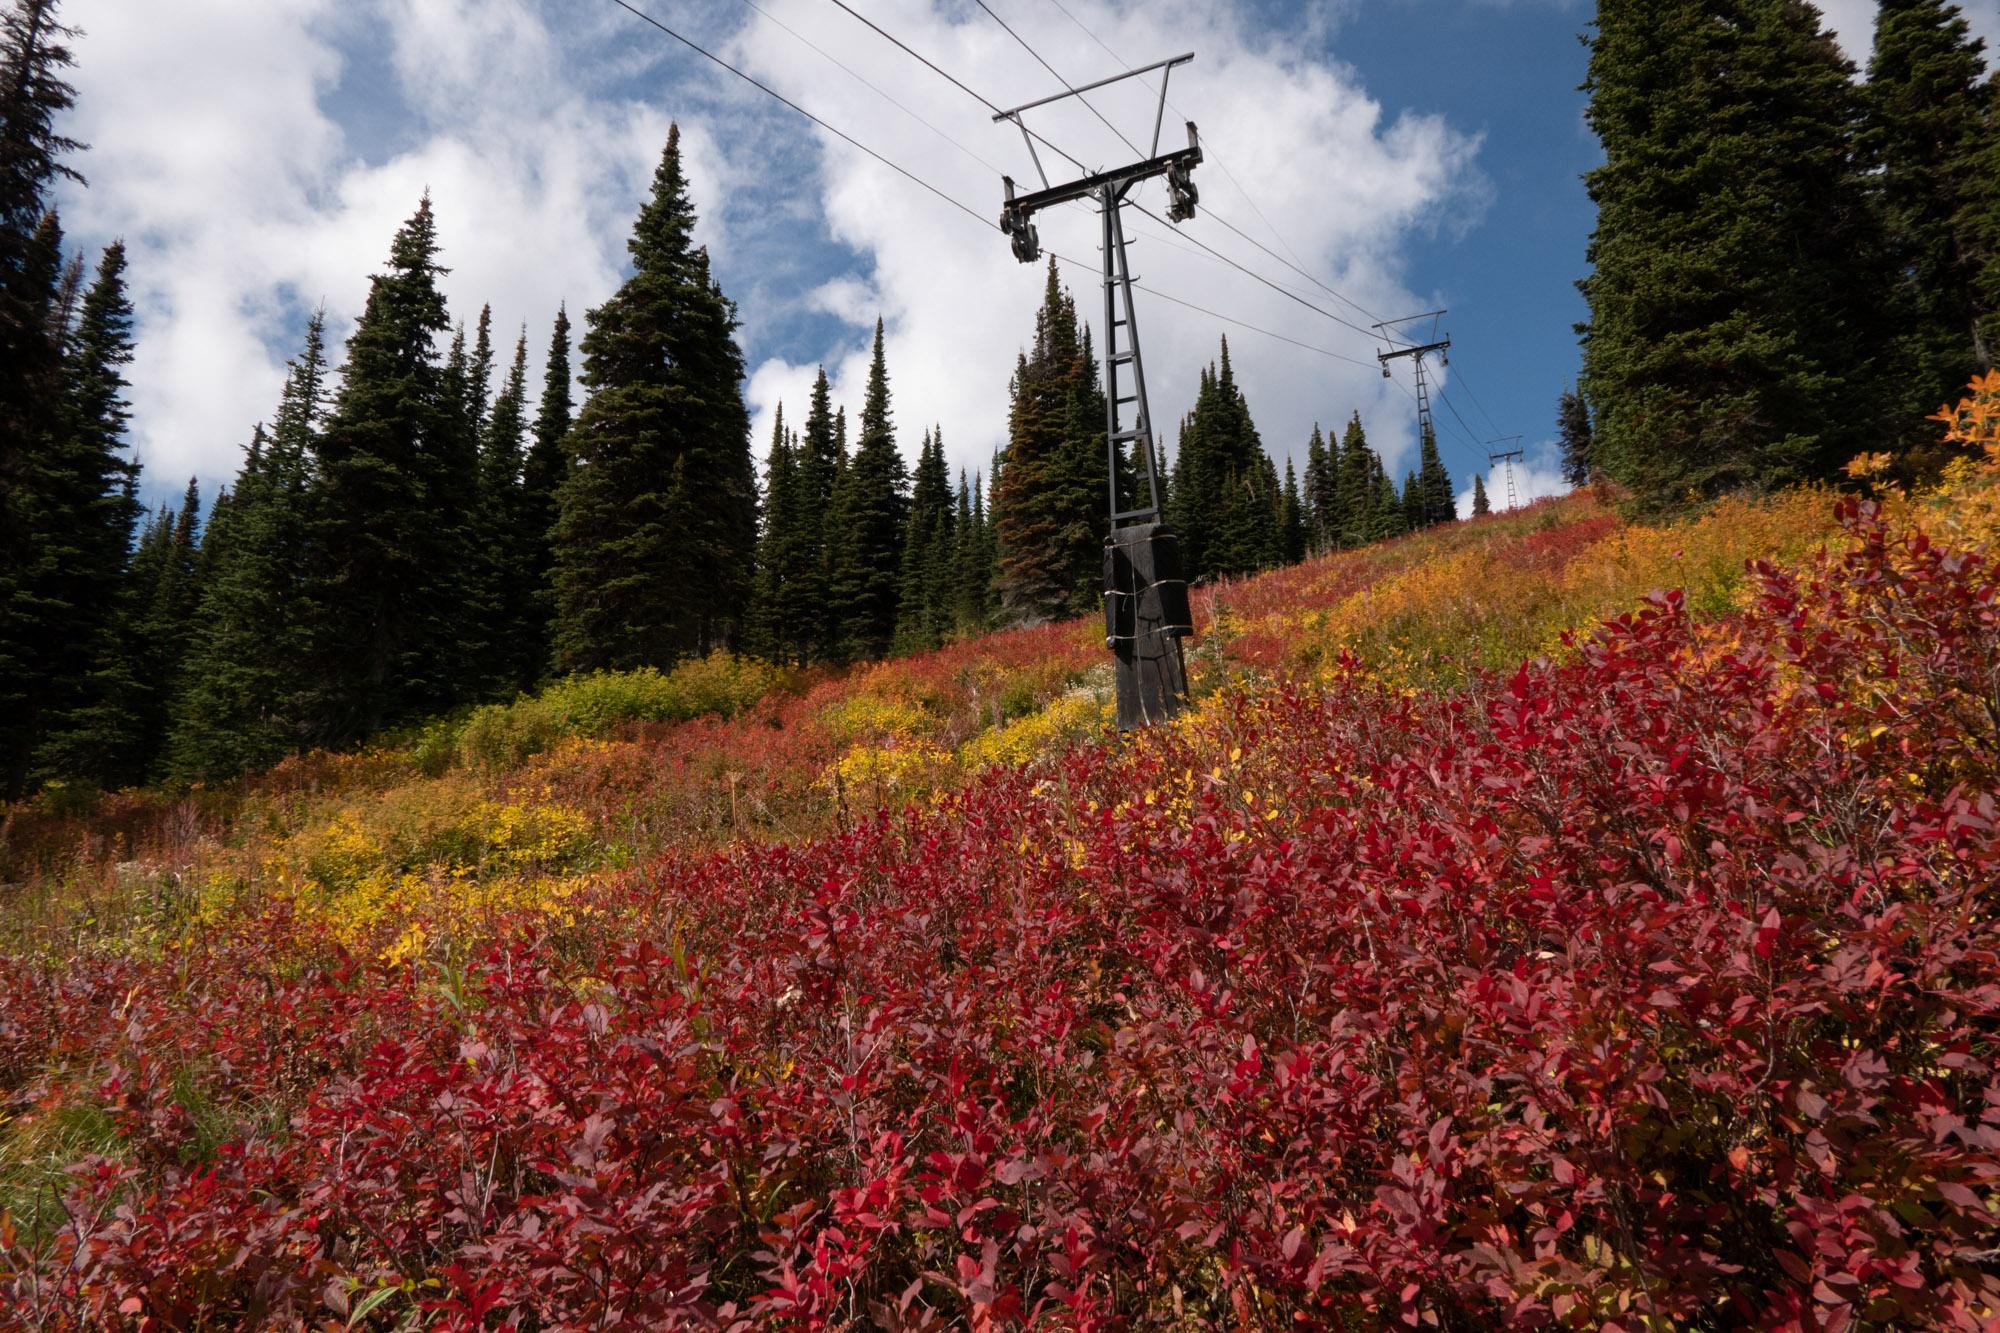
1416	352
1146	613
1506	458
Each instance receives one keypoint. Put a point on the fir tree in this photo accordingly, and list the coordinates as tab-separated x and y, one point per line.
820	460
1292	518
657	530
1481	506
1324	518
394	481
1226	500
865	526
79	509
1573	428
1439	504
1359	467
239	704
1715	359
479	378
509	538
1050	504
543	473
1386	515
784	548
1416	503
1924	131
925	614
971	571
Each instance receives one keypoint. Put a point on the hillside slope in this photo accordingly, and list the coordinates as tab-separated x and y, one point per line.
1647	981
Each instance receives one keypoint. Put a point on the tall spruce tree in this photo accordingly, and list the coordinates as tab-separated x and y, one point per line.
821	459
394	483
971	570
657	530
1439	504
1225	501
509	538
79	509
1358	469
865	526
1481	506
1292	535
1924	131
926	612
1324	518
542	475
785	548
1714	359
1386	515
240	705
1573	429
1050	508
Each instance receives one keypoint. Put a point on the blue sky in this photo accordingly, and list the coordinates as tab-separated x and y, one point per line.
1412	153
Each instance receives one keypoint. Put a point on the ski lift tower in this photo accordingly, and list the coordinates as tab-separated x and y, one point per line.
1146	612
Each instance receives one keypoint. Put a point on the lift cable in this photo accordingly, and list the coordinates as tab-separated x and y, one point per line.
961	207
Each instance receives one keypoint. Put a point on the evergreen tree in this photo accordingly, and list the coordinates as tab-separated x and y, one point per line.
1715	359
394	484
1984	224
926	611
239	704
1226	501
1439	504
868	513
543	473
1573	427
1359	467
1924	132
1386	515
657	528
1322	492
820	460
1050	504
1291	520
79	509
972	551
509	537
784	548
479	379
1416	503
1481	506
165	595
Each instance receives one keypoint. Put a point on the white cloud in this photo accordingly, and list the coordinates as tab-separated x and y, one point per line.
1538	476
1348	187
220	154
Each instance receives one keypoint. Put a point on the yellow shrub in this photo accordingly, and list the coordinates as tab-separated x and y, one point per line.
1074	716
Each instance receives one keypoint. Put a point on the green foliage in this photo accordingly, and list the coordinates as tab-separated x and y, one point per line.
509	540
1225	508
1573	428
543	473
926	613
657	520
865	527
1434	484
1049	504
1481	506
1715	358
499	736
1925	130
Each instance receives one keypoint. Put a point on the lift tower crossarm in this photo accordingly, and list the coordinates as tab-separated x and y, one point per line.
1119	179
1386	357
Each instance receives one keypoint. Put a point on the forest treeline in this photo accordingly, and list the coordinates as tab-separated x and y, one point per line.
415	530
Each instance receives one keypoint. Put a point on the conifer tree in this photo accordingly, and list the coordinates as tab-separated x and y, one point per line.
972	575
1714	358
509	538
394	481
1322	492
1481	506
1924	131
1358	469
866	520
657	527
784	548
78	505
1984	223
239	705
1292	518
542	475
820	460
1050	504
1439	505
1226	500
926	611
479	378
165	594
1386	516
1573	428
1416	504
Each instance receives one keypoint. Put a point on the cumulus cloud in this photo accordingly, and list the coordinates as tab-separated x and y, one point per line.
1535	477
257	159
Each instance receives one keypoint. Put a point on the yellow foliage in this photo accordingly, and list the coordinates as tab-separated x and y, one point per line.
870	715
1074	716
